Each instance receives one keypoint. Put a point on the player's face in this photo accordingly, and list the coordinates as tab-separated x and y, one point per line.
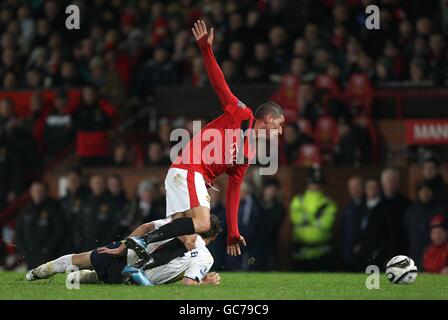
272	127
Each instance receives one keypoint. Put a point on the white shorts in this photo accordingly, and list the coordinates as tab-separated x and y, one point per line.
185	189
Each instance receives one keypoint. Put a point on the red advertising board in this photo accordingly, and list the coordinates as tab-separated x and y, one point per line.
427	131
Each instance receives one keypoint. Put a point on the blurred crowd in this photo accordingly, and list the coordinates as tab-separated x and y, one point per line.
136	45
310	48
313	234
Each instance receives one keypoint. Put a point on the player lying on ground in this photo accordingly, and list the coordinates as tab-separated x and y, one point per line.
114	264
186	182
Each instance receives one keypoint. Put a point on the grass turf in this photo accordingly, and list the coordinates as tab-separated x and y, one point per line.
234	286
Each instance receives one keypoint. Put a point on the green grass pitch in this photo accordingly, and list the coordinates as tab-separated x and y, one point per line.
285	286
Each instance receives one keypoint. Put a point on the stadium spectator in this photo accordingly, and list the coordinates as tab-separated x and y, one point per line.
435	258
100	216
309	105
59	129
371	245
36	121
271	216
350	226
155	156
120	156
248	216
218	247
72	204
157	71
105	77
92	119
417	220
396	204
432	176
293	139
312	215
20	159
40	227
354	146
148	205
119	202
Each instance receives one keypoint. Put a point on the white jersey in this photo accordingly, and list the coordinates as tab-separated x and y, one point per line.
194	264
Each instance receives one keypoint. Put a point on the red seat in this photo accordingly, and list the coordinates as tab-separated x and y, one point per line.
287	96
308	156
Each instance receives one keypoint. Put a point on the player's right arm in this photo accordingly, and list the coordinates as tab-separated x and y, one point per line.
215	75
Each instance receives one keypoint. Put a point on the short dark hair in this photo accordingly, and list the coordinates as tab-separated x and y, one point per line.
268	108
215	228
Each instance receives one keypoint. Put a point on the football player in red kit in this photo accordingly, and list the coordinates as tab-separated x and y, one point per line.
203	159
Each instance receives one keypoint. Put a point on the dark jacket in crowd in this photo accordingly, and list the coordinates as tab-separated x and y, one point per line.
19	160
290	150
248	215
372	245
100	223
72	205
395	230
121	203
58	132
139	215
40	232
91	125
416	222
354	148
218	248
350	229
439	189
270	219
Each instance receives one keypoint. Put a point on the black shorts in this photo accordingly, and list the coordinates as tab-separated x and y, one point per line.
108	267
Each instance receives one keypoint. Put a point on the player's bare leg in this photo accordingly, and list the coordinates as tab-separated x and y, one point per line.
60	265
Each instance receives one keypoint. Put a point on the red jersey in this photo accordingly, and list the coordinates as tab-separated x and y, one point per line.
435	258
212	158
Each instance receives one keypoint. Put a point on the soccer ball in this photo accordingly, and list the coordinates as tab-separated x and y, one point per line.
401	270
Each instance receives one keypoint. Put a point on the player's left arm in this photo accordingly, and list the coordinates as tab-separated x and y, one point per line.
234	239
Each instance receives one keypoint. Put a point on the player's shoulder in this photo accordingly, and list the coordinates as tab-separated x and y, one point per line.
239	109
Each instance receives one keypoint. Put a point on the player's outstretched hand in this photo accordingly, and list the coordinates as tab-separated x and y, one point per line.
200	30
234	249
115	252
212	278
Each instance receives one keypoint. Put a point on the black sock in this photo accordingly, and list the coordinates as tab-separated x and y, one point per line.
165	253
176	228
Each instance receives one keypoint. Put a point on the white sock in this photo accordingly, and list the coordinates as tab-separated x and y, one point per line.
61	264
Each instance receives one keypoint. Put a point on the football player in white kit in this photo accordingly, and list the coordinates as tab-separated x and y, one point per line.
113	264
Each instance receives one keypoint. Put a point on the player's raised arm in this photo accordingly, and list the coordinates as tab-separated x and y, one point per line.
215	75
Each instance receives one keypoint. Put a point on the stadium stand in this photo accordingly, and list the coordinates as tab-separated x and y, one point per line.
348	91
